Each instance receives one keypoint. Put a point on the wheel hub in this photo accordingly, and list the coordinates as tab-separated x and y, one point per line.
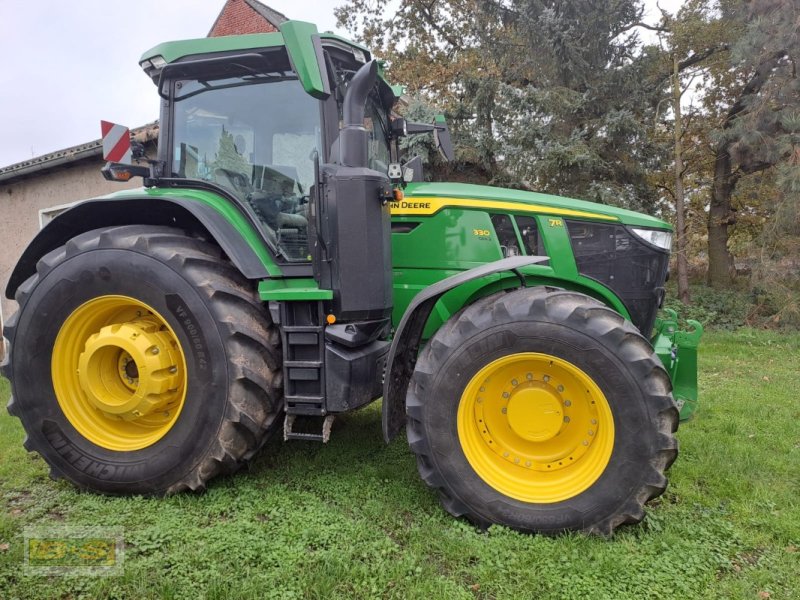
129	370
535	414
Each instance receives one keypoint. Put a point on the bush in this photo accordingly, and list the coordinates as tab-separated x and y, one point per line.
720	309
765	307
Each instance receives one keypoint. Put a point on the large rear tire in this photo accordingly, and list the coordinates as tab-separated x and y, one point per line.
543	410
142	362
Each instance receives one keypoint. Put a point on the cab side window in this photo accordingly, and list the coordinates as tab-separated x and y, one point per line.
529	232
506	236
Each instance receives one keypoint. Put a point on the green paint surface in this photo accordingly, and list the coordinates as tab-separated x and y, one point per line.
218	203
489	193
297	36
292	289
172	51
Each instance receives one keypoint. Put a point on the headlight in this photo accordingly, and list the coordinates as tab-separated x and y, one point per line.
657	237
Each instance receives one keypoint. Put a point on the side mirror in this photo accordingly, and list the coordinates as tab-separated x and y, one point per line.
398	127
441	134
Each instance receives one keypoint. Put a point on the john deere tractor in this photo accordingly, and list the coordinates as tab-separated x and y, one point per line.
283	265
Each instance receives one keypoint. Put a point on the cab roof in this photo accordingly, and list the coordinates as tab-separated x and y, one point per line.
302	41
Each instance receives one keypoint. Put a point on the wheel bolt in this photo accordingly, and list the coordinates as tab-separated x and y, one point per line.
154	350
504	410
514	382
506	394
546	378
567	402
594	421
566	419
560	388
173	369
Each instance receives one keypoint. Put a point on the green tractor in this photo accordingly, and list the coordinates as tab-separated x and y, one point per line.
281	266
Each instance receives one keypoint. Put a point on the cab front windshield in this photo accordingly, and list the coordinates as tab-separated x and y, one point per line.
256	137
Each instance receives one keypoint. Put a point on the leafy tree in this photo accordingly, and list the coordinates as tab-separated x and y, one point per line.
228	157
541	94
759	128
689	42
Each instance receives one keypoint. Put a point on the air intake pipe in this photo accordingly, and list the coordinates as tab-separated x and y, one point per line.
354	138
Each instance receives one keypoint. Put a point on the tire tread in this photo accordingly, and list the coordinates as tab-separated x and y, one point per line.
581	312
255	396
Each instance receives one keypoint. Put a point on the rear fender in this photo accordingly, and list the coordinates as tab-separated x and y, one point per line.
177	212
408	335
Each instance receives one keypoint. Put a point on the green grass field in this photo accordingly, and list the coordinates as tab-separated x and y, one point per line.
352	520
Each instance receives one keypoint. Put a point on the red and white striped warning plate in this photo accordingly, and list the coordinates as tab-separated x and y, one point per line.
116	142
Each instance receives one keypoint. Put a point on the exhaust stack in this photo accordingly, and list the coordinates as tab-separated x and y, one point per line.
354	138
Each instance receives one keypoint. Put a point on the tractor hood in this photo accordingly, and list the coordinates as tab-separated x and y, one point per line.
428	198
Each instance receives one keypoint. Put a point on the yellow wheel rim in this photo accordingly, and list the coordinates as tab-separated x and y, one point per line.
119	373
535	427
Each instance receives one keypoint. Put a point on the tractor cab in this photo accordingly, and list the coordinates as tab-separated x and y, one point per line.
242	120
255	136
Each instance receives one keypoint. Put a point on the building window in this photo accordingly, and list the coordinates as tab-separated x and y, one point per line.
48	214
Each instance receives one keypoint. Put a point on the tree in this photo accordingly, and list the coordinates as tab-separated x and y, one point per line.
689	42
541	94
760	124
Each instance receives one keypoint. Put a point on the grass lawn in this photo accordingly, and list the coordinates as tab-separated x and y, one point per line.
352	520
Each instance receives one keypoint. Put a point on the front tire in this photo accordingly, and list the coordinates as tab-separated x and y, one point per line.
543	410
142	362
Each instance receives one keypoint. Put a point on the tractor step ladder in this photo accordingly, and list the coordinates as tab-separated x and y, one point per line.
303	337
324	436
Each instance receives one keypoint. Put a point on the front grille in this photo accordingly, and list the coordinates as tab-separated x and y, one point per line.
635	270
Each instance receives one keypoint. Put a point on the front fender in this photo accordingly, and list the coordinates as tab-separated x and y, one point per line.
407	336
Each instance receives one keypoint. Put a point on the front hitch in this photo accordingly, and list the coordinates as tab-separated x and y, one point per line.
678	351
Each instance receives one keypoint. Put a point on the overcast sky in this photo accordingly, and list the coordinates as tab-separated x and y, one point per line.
69	64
